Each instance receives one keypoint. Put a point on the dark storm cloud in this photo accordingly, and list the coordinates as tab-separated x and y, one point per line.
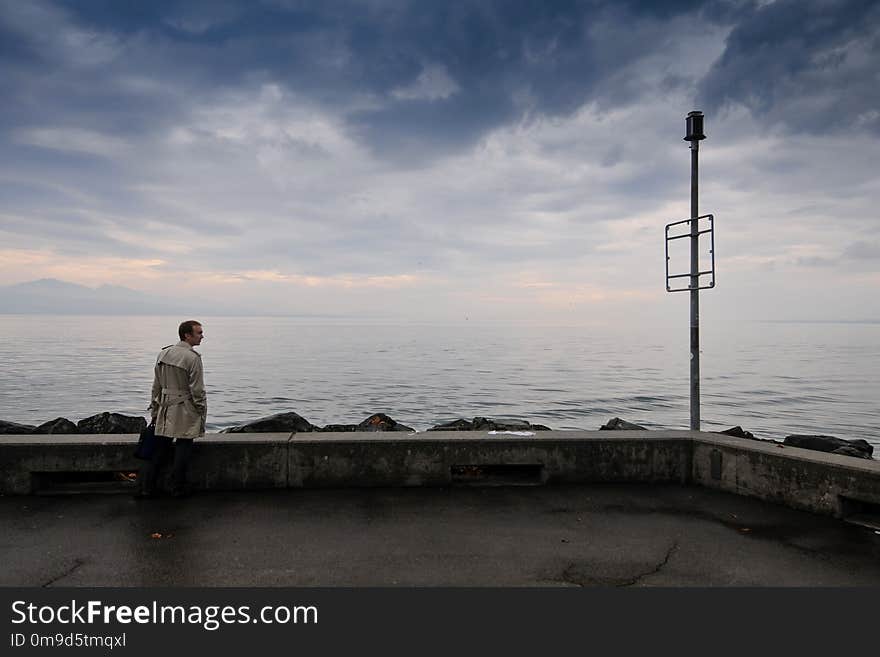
808	65
508	60
73	62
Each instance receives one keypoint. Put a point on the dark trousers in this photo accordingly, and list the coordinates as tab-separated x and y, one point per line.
149	473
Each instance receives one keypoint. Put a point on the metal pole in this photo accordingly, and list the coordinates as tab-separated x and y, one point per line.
695	292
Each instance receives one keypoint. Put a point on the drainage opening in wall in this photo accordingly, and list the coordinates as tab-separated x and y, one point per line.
860	512
104	481
497	474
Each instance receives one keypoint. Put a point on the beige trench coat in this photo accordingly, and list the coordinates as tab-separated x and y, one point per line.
179	402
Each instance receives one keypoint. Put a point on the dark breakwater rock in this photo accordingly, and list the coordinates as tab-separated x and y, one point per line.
111	423
295	423
487	424
338	428
376	422
14	428
738	432
455	425
279	423
100	423
851	450
858	448
58	425
616	424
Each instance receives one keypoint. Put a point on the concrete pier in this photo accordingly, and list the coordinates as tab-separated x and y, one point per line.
580	508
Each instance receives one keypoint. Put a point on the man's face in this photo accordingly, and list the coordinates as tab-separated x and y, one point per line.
195	338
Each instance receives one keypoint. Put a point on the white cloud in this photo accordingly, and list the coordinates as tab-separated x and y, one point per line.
433	83
78	140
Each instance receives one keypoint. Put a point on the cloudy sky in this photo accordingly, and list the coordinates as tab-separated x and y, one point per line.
443	160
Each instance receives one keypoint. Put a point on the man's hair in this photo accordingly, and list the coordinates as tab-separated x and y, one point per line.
187	327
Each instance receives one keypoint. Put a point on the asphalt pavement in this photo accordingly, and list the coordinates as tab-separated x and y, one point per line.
583	535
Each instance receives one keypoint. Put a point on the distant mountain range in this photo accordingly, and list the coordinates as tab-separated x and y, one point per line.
51	296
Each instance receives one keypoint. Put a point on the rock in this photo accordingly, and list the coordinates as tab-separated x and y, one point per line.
58	425
830	444
341	428
738	432
14	428
381	422
376	422
487	424
455	425
616	424
111	423
278	423
849	450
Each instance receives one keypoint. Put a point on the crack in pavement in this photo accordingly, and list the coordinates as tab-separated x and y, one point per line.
654	570
571	574
76	564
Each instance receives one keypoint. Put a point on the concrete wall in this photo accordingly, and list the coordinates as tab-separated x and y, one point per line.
799	478
24	458
221	461
431	459
240	461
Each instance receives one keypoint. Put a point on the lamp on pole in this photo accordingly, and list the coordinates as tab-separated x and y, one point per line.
694	134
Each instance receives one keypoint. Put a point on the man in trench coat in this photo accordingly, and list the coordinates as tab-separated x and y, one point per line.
178	407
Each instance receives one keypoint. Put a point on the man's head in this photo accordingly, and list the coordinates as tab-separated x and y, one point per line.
191	332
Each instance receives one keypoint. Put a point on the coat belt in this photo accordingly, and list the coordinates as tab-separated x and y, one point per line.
173	396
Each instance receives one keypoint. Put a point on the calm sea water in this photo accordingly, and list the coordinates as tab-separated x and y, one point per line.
772	378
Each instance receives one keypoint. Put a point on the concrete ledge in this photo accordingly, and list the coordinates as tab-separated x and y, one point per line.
435	458
220	461
25	459
240	461
799	478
